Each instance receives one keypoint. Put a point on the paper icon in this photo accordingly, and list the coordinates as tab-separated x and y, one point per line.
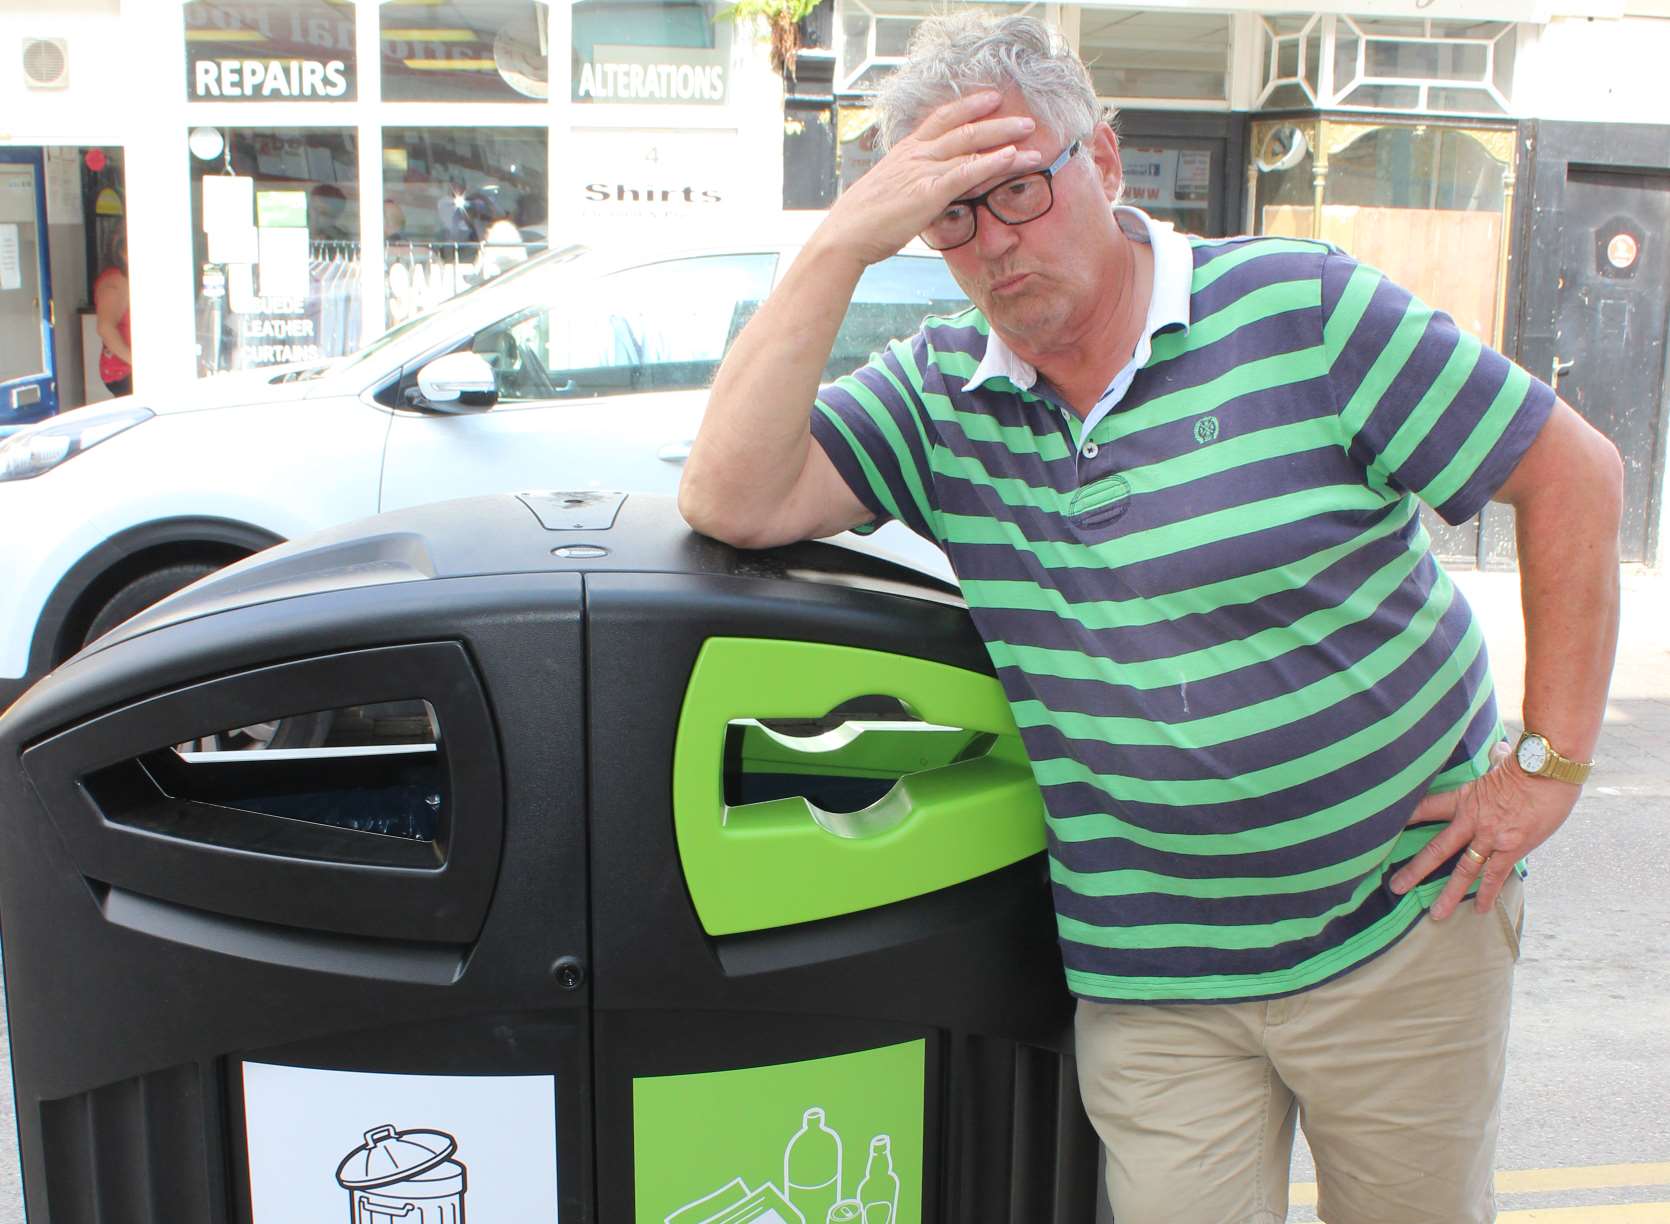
733	1203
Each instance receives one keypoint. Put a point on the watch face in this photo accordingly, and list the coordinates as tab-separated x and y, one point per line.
1533	753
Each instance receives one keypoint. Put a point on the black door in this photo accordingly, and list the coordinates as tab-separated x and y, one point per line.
1185	168
1602	295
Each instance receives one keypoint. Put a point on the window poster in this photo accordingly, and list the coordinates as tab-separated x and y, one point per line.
11	262
1159	178
329	1145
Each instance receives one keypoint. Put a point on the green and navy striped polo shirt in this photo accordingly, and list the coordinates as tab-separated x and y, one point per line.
1232	657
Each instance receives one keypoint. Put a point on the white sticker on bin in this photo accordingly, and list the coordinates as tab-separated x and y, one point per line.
321	1139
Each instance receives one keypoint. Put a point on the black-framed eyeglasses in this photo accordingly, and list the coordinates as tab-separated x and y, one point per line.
1014	202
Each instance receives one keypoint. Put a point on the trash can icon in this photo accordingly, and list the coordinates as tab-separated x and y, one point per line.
651	879
405	1176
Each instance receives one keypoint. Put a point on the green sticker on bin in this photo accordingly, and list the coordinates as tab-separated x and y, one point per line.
958	815
825	1139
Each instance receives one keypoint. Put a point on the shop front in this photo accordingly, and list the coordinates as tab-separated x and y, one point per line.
347	165
451	159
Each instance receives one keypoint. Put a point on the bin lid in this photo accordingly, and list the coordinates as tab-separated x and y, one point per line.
389	1156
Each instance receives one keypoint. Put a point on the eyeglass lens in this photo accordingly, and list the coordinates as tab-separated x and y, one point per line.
1019	200
1014	202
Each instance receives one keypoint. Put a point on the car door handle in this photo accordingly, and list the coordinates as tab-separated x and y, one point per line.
674	452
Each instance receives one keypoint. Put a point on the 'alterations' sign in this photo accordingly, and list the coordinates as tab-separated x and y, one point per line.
656	75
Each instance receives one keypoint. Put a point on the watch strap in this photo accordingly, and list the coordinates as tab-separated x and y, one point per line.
1563	769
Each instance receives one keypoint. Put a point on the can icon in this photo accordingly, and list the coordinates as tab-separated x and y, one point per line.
847	1211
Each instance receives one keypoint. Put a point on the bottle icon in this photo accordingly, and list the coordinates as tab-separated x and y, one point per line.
879	1191
812	1168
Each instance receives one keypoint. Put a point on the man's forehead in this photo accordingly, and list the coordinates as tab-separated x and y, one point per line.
1013	102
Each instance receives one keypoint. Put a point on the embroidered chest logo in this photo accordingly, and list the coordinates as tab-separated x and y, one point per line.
1206	430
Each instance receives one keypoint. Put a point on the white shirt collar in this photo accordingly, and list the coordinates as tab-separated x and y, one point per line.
1168	303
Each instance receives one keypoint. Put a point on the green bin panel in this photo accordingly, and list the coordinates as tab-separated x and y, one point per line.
755	866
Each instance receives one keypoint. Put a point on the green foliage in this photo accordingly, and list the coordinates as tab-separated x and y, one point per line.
774	11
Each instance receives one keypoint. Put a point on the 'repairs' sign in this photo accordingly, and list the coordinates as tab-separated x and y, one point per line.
261	50
249	78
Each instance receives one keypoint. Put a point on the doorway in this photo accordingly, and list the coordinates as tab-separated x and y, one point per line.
28	367
1597	305
1185	168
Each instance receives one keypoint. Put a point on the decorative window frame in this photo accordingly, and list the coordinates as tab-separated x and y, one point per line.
1321	37
848	75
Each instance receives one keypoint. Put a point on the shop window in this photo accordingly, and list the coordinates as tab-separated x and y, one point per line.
1387	64
1172	180
1455	100
1423	204
459	206
1286	42
1348	50
875	34
270	50
857	140
650	52
275	229
1156	55
465	50
1384	97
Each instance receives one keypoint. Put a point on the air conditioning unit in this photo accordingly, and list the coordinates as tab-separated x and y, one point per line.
46	63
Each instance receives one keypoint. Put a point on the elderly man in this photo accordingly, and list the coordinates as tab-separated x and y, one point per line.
1177	481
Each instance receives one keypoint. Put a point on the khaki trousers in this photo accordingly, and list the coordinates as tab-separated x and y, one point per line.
1395	1069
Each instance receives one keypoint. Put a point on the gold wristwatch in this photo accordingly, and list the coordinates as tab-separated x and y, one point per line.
1536	756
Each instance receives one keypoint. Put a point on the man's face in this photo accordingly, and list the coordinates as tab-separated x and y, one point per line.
1040	283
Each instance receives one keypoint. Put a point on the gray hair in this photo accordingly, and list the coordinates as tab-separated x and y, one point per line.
957	53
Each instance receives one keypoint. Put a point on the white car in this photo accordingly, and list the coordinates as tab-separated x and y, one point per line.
583	369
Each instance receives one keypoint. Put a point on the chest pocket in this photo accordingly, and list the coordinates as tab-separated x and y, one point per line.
1100	503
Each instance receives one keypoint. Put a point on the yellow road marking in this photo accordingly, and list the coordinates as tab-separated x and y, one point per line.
1589	1177
1542	1181
1620	1213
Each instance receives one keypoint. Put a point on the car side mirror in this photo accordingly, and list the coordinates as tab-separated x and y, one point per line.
458	383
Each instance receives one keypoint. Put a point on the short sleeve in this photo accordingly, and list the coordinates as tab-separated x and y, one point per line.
873	427
1428	408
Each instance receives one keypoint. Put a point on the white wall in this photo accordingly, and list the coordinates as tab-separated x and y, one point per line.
126	88
1597	70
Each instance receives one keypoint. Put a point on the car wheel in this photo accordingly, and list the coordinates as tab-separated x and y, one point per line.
144	591
299	731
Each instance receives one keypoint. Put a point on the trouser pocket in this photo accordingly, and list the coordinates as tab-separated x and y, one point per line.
1510	912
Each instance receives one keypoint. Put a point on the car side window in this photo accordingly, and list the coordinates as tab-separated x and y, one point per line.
657	327
891	300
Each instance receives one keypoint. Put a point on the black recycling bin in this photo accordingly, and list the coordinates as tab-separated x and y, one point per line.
533	858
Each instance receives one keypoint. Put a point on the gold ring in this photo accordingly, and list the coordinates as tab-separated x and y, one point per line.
1480	859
